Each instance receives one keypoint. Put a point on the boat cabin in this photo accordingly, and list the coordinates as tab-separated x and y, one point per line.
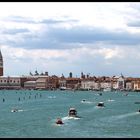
100	104
72	112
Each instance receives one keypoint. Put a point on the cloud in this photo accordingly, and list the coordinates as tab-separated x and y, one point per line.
15	31
54	38
96	38
99	60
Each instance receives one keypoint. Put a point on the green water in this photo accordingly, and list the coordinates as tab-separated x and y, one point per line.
38	111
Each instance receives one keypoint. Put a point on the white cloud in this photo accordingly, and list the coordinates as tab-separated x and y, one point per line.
106	17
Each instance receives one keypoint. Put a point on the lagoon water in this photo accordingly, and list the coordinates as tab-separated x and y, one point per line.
38	111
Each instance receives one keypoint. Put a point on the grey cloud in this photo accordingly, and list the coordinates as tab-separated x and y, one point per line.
44	21
52	21
19	19
58	38
15	31
87	35
135	23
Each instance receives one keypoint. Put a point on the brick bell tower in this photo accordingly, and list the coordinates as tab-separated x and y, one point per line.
1	64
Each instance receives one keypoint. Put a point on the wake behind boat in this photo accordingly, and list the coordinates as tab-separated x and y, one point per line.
85	101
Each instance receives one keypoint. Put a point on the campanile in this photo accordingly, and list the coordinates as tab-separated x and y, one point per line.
1	64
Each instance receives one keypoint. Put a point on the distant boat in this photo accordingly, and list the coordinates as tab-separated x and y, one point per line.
106	89
14	110
72	112
63	88
110	100
84	100
59	121
138	102
100	104
100	93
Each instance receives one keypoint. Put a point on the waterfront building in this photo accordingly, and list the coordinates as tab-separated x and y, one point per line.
136	82
105	83
129	84
114	84
121	83
1	64
88	83
62	82
41	82
71	83
10	82
52	82
30	85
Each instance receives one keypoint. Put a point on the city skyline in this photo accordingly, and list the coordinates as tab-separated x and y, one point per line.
62	37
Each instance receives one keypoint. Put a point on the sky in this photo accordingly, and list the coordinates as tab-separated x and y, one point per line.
96	38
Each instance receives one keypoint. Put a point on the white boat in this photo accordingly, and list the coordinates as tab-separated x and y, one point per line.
100	104
110	100
63	88
83	101
72	113
14	110
106	89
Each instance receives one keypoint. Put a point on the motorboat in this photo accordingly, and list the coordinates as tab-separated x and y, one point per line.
83	101
14	110
100	94
138	102
110	100
106	89
72	112
100	104
59	121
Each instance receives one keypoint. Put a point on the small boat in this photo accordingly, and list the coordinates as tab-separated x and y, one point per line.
110	100
72	112
84	100
100	104
139	110
100	94
59	121
14	110
138	102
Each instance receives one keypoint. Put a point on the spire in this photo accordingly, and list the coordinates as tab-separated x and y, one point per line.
0	55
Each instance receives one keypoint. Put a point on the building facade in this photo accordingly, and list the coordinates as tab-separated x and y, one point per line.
10	82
